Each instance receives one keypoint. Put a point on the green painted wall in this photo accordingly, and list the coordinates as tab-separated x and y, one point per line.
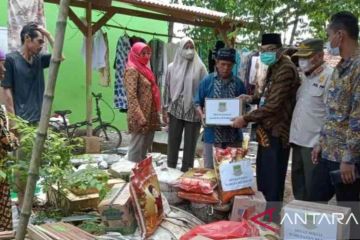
70	88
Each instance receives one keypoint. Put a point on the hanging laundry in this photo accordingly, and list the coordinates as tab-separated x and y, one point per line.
21	12
237	64
98	50
212	55
171	50
250	89
252	75
156	62
105	77
244	59
100	56
260	78
122	50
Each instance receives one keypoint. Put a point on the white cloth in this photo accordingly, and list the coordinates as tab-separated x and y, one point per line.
20	13
99	50
185	75
309	112
253	70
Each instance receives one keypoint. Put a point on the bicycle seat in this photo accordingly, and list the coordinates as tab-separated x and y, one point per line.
62	112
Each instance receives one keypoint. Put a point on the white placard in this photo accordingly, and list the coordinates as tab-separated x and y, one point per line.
236	175
220	111
301	224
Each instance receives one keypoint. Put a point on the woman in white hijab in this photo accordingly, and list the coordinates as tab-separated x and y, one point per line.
182	80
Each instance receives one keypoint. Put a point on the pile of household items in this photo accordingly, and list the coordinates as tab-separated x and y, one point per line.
148	200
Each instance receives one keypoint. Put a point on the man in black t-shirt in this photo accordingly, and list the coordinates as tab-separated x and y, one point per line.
24	78
23	84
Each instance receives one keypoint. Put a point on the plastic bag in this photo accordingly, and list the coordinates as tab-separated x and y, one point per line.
145	191
198	180
200	198
224	156
223	230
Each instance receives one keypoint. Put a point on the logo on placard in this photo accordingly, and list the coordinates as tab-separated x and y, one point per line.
237	171
222	107
310	221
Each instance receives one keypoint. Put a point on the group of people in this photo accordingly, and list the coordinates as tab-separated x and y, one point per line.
305	105
313	108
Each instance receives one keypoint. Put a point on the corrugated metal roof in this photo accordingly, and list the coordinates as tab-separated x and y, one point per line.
203	12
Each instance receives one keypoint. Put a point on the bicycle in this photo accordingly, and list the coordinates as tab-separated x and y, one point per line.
110	136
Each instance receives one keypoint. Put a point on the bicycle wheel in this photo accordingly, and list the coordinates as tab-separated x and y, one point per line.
110	136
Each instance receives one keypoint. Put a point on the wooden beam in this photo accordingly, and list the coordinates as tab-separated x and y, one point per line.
109	14
89	47
77	21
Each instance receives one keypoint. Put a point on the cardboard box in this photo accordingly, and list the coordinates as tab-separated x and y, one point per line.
61	230
70	202
92	144
309	220
117	211
245	207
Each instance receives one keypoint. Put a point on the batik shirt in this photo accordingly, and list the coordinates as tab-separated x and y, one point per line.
207	90
340	136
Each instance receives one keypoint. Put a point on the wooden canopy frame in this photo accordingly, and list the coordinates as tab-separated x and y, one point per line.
145	9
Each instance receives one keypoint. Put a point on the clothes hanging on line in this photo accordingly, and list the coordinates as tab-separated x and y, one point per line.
212	55
122	50
250	89
237	64
100	53
121	56
244	59
260	75
20	13
105	76
157	60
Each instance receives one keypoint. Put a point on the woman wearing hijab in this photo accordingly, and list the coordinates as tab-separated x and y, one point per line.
143	101
8	142
182	79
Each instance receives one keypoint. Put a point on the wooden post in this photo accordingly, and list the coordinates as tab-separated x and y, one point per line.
44	120
89	44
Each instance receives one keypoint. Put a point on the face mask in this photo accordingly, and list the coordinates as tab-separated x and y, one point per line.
305	65
268	58
332	51
189	54
144	60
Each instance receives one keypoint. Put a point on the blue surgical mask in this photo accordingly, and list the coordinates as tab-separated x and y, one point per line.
268	58
332	51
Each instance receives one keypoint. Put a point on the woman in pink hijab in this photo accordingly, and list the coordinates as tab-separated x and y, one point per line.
143	101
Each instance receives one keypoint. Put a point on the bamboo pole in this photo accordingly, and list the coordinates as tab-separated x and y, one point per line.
44	120
89	35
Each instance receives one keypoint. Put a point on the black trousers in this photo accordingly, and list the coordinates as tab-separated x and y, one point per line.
347	195
192	131
271	168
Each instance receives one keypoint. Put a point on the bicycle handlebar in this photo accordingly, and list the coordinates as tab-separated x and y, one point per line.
99	95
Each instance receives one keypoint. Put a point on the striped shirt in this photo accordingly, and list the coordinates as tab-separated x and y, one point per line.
279	98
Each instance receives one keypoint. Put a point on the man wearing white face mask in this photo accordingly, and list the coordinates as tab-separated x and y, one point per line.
309	113
182	79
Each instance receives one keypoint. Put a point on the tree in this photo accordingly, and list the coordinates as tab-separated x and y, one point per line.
300	17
